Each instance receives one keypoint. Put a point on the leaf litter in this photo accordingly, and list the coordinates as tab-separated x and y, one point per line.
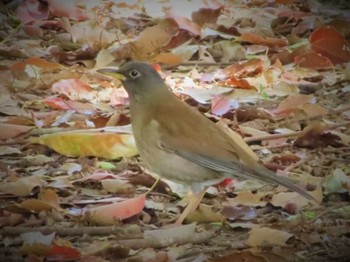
72	186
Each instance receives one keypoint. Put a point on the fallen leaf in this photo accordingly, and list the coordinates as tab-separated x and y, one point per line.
62	253
9	131
74	89
247	198
256	39
8	150
220	105
327	41
154	37
110	214
235	212
22	187
31	10
294	102
245	255
205	214
337	182
170	236
67	8
267	237
315	135
106	145
117	185
206	16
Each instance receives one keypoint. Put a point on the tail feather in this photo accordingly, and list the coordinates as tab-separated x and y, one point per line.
265	175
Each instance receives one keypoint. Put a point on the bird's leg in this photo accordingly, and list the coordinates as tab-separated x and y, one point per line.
194	200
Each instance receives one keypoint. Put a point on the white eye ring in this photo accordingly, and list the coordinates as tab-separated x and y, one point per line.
134	74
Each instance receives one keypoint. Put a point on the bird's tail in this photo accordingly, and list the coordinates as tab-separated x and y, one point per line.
263	174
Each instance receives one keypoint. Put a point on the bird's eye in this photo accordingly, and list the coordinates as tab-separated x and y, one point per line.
134	73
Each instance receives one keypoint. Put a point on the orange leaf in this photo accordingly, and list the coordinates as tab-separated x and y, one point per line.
167	58
39	62
313	60
62	253
109	214
294	102
35	61
269	41
240	83
36	205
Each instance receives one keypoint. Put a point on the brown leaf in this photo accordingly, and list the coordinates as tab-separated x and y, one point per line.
314	135
206	16
241	256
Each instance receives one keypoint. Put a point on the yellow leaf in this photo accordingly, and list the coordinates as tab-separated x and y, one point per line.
106	145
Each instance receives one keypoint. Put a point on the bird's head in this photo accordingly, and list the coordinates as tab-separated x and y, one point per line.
138	78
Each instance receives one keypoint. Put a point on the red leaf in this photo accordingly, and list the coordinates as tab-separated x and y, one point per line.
330	43
62	253
313	60
56	102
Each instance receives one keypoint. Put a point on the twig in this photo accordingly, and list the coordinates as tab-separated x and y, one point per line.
122	232
143	243
197	63
115	129
271	137
129	236
292	166
12	33
15	142
296	133
49	130
330	112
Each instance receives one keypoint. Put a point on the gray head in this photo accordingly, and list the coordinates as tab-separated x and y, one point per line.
138	78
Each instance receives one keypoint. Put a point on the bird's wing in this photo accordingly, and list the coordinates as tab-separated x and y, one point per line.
199	140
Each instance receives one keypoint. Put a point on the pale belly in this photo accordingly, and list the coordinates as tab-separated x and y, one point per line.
178	169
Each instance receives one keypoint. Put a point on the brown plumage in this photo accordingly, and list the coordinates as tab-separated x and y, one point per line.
177	142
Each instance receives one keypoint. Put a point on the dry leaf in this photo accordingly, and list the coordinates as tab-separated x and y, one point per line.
111	213
106	145
22	187
267	237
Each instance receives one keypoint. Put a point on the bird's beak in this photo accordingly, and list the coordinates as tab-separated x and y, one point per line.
112	71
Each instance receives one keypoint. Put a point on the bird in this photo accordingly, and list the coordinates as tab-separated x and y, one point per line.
179	143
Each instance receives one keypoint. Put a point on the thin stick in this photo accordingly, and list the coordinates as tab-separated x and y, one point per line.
121	232
296	133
